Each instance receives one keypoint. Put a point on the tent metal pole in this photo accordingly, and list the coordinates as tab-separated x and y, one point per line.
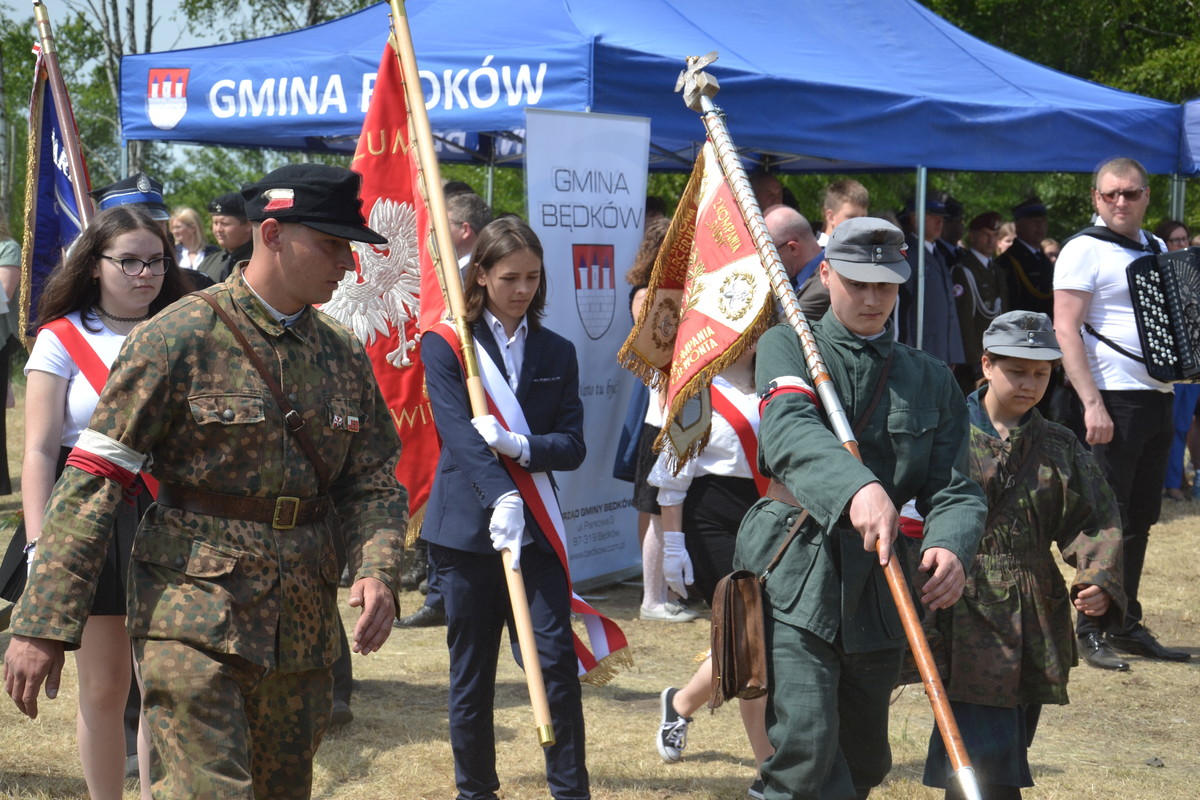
919	213
1176	201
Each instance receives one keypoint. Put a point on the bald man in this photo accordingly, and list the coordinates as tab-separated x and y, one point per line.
799	252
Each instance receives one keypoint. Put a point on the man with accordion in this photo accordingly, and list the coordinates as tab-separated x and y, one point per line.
1126	410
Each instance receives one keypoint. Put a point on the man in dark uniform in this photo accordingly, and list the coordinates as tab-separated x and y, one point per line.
233	232
234	572
833	632
1029	272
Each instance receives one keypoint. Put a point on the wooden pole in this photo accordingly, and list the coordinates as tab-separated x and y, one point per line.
699	89
448	275
66	119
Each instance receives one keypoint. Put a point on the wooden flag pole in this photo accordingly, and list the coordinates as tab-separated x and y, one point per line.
699	88
66	119
451	282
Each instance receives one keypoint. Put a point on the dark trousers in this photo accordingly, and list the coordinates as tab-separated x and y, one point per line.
827	716
712	513
1135	465
475	592
343	670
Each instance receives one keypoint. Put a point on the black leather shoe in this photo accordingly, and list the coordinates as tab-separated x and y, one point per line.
1140	642
341	715
1097	652
423	617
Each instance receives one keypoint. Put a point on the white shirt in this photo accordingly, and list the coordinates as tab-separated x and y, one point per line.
1087	264
49	355
722	456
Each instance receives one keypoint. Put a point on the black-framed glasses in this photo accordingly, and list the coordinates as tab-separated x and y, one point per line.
1132	195
134	266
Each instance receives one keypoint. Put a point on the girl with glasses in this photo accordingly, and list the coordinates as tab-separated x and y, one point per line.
119	272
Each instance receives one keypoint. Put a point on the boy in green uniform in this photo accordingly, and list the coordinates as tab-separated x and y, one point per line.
834	637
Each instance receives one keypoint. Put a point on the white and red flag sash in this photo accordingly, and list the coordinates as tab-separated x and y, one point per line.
709	299
382	300
606	649
746	430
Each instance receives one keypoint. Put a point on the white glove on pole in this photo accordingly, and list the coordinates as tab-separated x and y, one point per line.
497	437
508	526
677	565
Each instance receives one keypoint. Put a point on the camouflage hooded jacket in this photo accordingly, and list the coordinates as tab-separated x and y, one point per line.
184	401
1010	638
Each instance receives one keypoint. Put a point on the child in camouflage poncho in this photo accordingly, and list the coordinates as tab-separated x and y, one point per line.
1008	642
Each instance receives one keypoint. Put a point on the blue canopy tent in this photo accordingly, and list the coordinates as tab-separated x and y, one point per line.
865	84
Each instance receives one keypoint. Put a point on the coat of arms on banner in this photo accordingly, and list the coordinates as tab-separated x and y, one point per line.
166	97
595	287
388	283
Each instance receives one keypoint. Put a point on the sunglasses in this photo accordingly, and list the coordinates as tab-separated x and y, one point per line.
1132	195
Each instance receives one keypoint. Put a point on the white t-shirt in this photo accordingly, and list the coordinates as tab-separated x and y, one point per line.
722	456
49	355
1087	264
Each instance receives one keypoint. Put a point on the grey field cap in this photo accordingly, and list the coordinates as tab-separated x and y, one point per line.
1022	334
869	250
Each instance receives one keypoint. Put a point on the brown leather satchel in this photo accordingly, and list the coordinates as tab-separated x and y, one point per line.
739	645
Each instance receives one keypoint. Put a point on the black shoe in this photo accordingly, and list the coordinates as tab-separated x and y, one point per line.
341	716
1140	642
1097	652
423	617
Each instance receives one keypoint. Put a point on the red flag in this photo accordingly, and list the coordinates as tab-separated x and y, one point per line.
709	299
381	303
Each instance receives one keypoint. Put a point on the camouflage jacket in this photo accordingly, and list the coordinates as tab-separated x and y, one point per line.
1010	638
184	400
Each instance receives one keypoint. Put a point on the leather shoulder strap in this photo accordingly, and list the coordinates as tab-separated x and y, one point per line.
295	423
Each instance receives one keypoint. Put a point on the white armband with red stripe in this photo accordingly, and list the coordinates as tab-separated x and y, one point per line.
785	384
97	454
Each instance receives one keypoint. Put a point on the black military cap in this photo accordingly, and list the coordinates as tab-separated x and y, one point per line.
987	221
1031	206
229	205
319	196
139	189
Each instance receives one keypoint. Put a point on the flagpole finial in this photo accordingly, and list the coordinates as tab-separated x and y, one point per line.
695	83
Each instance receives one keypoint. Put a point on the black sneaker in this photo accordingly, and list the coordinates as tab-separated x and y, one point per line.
672	730
755	792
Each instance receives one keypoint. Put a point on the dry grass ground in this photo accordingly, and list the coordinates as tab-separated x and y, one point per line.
396	748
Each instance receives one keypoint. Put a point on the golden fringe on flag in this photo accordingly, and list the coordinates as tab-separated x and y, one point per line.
709	299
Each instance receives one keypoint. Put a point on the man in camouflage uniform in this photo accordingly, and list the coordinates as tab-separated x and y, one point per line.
234	573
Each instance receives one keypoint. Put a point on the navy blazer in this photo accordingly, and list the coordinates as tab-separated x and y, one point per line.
469	477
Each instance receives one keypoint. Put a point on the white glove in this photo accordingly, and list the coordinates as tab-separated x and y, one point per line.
498	438
30	552
677	565
508	526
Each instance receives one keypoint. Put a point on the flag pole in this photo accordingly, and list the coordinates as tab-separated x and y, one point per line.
699	88
66	119
451	282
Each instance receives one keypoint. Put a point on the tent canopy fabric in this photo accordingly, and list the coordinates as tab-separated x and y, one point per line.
863	84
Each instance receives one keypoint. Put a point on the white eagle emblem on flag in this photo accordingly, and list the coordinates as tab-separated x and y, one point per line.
387	288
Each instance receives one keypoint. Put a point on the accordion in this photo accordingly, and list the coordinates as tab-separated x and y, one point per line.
1165	289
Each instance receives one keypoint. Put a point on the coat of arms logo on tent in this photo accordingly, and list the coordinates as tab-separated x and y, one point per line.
595	287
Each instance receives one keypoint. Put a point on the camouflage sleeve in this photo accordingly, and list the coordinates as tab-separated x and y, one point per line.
78	523
371	503
1090	536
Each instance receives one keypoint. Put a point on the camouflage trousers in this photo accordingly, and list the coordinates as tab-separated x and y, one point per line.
226	728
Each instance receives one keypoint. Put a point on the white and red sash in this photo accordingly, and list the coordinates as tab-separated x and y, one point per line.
607	648
93	368
745	430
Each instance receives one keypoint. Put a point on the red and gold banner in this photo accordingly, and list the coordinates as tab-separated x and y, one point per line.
383	301
709	299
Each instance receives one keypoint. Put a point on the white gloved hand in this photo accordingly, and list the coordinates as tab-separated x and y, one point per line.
677	565
30	552
498	438
508	526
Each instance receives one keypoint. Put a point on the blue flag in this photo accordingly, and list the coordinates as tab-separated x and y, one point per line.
56	220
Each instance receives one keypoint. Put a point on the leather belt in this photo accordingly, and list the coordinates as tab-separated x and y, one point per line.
283	513
777	491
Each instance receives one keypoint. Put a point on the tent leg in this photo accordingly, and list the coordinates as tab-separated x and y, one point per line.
919	213
1177	197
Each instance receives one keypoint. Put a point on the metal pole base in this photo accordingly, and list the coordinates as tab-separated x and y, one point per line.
545	734
966	781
